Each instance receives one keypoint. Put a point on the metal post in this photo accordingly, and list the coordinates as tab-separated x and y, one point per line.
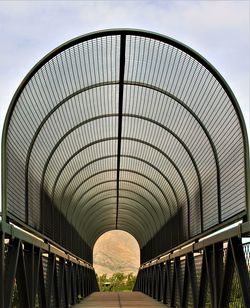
192	277
22	281
240	263
2	289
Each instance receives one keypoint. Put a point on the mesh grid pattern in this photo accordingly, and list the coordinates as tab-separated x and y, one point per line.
145	149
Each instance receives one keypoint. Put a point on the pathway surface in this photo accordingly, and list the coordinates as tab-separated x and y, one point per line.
118	300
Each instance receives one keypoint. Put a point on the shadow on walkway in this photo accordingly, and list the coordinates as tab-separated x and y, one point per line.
117	300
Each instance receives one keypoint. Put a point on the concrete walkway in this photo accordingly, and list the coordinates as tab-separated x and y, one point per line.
118	300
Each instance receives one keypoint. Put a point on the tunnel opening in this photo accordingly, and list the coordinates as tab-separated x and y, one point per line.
116	260
125	130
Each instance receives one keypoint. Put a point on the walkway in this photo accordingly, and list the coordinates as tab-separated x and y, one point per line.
117	300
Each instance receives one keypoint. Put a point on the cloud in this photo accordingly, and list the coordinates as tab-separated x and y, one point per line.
219	30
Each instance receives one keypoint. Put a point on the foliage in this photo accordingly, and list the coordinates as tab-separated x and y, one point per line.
119	282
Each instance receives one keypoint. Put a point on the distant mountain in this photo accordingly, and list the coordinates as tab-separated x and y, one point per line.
116	251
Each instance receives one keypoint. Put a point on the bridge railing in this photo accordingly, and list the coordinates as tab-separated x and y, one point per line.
212	272
34	273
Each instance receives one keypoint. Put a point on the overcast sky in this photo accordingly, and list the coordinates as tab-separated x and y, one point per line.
219	30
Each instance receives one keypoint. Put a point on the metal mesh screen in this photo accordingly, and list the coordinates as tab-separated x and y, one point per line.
124	129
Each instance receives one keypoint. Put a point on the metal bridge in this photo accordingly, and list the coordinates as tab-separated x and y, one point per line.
131	130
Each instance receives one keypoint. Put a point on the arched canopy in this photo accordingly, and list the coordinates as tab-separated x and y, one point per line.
124	129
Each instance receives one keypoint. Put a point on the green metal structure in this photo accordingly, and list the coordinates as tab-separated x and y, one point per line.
131	130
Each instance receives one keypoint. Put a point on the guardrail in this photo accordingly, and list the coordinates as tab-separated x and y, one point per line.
34	273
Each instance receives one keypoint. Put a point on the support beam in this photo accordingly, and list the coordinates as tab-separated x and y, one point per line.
121	86
2	247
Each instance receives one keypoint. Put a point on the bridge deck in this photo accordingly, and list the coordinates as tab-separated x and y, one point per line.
117	300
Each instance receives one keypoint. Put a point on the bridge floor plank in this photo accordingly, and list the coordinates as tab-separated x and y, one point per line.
118	300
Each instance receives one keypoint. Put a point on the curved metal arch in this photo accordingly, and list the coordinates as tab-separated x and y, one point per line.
139	84
124	197
214	150
150	214
109	190
138	33
132	171
119	230
135	231
110	197
112	189
127	181
100	214
139	231
124	138
115	115
111	156
140	117
128	115
127	223
78	204
109	227
106	116
61	140
138	228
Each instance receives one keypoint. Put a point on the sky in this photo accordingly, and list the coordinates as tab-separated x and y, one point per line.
219	30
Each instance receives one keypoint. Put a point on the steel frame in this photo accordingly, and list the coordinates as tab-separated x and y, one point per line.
124	33
49	276
43	275
179	277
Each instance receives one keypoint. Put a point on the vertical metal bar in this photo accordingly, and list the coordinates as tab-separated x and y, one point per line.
217	271
11	261
73	284
4	161
150	280
153	287
69	282
2	270
21	281
147	281
29	257
57	283
192	277
142	284
173	287
227	278
164	283
160	275
203	282
178	277
169	282
121	86
66	285
41	284
241	266
61	282
50	277
185	284
37	258
209	266
82	281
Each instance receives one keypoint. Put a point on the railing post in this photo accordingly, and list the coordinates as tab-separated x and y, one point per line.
2	261
241	267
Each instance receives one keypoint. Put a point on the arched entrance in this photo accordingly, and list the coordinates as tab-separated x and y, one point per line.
129	130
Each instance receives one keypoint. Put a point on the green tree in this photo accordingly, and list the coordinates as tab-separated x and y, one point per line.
118	282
